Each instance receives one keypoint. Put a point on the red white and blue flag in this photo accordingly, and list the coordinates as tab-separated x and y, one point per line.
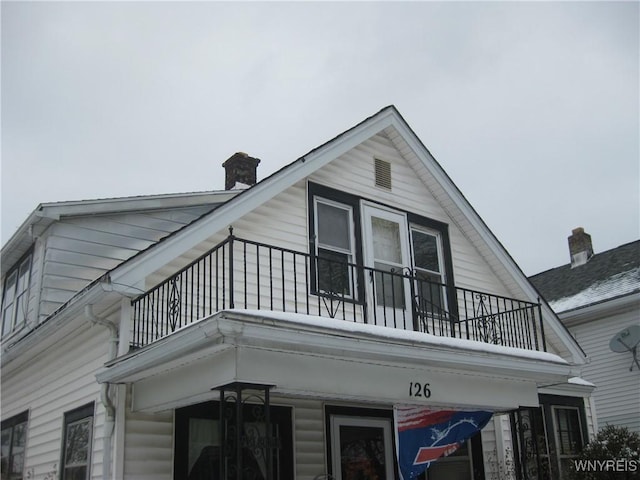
424	434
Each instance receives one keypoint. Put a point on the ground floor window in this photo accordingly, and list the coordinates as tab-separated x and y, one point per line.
14	440
549	437
76	444
198	442
360	443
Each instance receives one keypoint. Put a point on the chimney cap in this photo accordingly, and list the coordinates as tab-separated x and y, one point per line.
239	156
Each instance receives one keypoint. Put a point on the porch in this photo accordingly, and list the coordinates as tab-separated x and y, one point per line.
249	275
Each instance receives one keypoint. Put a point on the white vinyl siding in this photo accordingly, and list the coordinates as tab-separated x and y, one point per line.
48	386
149	441
148	445
81	249
283	220
616	393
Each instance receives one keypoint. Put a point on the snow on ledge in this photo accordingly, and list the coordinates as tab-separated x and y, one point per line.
398	334
580	381
619	284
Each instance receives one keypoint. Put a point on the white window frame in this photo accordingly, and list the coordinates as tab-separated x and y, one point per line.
21	420
80	415
353	421
353	287
19	296
556	433
440	252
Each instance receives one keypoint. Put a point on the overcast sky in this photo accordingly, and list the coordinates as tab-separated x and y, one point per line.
531	108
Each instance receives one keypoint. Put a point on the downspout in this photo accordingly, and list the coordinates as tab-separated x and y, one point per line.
110	409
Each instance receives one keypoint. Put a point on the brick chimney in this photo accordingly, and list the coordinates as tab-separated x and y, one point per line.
580	247
240	171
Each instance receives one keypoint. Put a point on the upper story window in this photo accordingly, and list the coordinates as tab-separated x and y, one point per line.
13	442
15	298
334	247
429	268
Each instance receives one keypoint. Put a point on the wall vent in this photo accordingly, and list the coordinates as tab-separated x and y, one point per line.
383	173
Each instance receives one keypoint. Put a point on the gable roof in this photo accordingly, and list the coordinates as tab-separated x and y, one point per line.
46	214
606	276
389	121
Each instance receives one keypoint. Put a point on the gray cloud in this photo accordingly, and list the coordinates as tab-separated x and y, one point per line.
532	108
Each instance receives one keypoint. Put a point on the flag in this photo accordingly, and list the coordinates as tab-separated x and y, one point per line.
424	434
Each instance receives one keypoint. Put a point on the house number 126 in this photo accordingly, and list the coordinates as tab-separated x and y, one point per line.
417	389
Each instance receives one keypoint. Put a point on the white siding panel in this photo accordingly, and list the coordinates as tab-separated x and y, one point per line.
354	173
81	249
148	453
309	438
50	386
617	393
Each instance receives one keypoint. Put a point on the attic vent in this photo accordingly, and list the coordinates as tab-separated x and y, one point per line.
383	173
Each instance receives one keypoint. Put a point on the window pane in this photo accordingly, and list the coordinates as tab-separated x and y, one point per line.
75	473
23	277
21	309
333	272
204	442
77	442
333	226
6	448
7	319
389	286
430	293
425	249
362	454
386	240
569	437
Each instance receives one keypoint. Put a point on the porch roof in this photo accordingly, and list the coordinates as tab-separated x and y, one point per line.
325	358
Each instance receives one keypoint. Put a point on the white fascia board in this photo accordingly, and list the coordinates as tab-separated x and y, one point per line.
577	356
127	204
574	387
270	332
231	329
172	247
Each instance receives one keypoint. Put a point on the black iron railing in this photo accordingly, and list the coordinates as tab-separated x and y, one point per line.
245	274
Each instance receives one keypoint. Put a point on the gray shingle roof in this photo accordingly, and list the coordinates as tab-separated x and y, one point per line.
605	276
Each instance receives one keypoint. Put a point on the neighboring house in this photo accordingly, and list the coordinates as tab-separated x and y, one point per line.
597	296
269	331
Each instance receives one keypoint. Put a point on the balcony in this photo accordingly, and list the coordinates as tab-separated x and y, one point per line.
245	274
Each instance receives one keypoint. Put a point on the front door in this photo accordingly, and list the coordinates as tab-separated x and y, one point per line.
386	250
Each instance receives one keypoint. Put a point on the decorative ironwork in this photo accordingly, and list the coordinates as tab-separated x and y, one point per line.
239	273
173	304
487	325
249	438
531	449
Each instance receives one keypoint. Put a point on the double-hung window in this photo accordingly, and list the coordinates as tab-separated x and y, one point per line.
569	436
16	296
76	446
334	248
429	270
13	442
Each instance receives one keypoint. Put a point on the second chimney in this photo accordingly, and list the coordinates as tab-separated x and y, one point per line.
580	247
240	171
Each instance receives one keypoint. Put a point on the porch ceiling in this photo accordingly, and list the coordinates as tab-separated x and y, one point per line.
327	358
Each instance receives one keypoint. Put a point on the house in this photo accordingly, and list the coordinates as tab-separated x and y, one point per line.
269	330
597	296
